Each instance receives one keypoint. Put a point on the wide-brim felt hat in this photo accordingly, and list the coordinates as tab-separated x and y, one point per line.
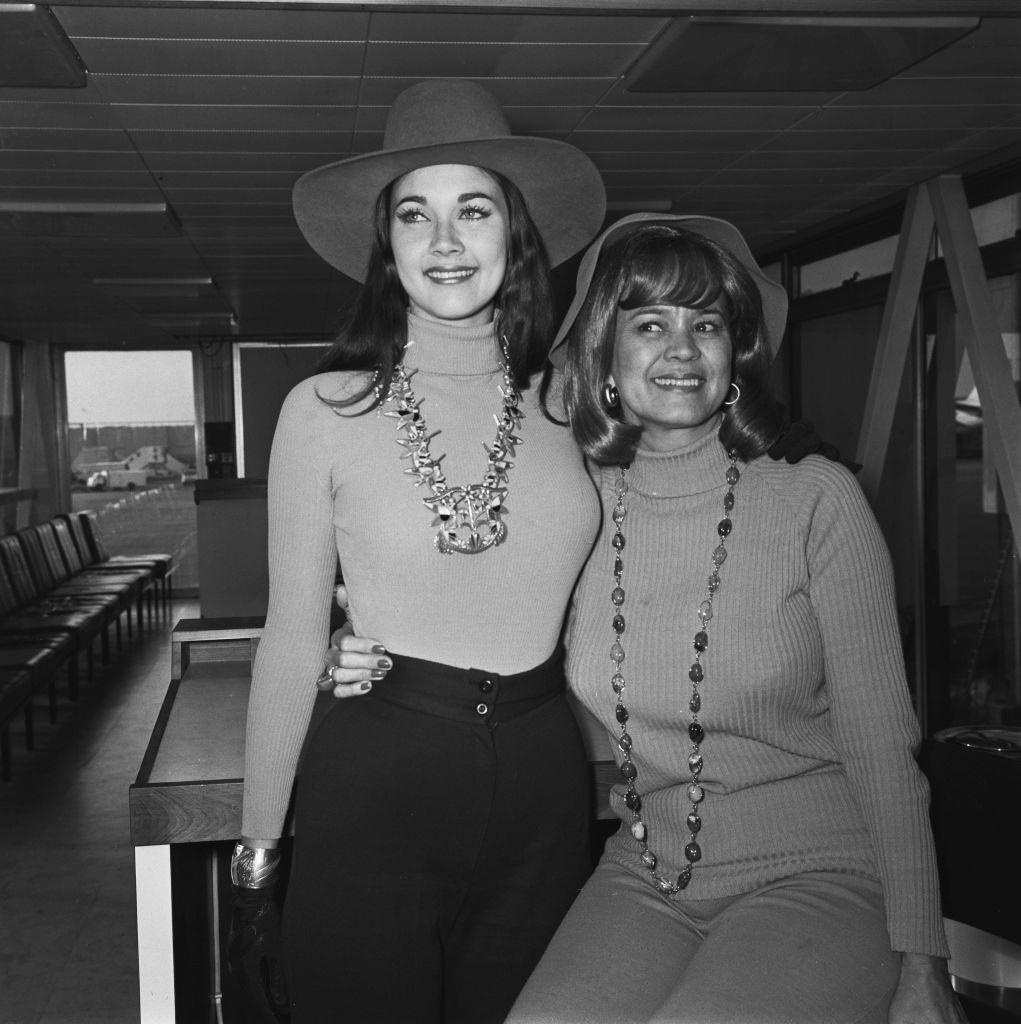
774	295
449	122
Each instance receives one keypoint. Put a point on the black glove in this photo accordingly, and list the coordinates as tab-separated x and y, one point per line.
799	439
254	956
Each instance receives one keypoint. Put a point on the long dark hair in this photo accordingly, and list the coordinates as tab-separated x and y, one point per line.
665	265
375	333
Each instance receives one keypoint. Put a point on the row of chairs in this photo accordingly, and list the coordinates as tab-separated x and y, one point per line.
61	592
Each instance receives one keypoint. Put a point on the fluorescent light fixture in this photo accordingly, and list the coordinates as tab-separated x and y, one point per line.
97	220
778	54
148	282
35	52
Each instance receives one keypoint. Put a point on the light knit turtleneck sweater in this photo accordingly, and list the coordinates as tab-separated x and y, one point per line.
337	485
810	732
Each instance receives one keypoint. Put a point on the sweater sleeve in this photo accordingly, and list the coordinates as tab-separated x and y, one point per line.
302	565
873	720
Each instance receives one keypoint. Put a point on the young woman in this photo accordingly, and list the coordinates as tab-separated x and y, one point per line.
440	823
735	631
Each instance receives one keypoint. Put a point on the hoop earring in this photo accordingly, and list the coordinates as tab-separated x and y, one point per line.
734	400
611	396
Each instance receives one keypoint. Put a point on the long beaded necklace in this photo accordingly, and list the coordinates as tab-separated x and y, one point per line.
696	674
468	519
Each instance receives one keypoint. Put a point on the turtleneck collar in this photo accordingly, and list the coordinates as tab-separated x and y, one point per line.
450	349
692	469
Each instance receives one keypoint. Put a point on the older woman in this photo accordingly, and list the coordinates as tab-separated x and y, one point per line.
735	630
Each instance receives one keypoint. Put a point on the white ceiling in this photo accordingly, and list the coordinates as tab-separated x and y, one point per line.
216	110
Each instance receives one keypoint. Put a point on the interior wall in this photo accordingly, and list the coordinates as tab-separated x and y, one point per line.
837	353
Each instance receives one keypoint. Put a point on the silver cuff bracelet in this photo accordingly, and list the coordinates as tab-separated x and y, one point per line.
253	868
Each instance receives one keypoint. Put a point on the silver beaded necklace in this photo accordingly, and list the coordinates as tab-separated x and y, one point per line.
696	674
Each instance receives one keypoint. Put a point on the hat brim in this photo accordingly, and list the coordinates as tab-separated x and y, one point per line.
774	295
562	188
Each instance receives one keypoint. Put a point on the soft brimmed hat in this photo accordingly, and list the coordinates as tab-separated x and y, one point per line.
774	296
449	122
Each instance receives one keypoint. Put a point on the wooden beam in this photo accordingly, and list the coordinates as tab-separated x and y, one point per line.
1001	412
894	338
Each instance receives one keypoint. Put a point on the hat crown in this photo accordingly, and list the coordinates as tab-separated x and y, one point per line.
439	112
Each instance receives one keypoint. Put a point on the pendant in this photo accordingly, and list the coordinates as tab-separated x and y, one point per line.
468	519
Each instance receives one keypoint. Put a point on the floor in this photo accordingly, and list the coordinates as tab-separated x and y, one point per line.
67	912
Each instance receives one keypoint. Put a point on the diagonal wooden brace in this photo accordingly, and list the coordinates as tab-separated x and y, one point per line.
894	338
997	391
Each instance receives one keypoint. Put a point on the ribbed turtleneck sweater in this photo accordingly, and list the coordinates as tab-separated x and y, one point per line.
810	732
337	486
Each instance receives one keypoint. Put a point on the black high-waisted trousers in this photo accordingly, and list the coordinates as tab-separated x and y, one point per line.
441	832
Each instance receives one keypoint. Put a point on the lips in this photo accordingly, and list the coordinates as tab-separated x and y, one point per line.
449	275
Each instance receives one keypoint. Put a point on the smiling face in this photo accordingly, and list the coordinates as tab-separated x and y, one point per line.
448	232
672	367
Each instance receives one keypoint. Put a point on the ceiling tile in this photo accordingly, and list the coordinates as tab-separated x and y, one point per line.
235	141
837	141
216	118
422	60
263	90
71	140
55	115
914	118
204	57
516	92
265	163
518	28
207	23
693	118
665	142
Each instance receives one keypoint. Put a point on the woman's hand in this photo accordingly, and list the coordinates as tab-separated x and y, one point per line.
924	994
352	662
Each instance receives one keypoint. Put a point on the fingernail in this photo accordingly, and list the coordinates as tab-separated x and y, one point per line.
383	663
377	673
378	649
366	686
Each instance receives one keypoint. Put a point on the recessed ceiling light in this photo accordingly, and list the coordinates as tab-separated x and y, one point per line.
35	52
772	54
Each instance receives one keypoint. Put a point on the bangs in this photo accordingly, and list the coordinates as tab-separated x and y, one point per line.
672	270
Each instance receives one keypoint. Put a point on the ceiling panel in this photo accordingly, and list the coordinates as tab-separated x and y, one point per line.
126	21
574	30
264	90
217	110
219	118
219	57
694	118
499	60
55	115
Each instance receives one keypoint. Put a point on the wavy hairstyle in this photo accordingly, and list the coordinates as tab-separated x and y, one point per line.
664	265
375	332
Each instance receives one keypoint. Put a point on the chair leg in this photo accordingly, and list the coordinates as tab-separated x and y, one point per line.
104	646
90	660
72	674
5	752
29	726
53	694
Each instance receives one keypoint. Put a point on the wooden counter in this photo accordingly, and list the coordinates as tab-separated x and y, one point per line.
188	792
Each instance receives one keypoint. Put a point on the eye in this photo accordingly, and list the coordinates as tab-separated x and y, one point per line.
475	212
410	215
710	324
